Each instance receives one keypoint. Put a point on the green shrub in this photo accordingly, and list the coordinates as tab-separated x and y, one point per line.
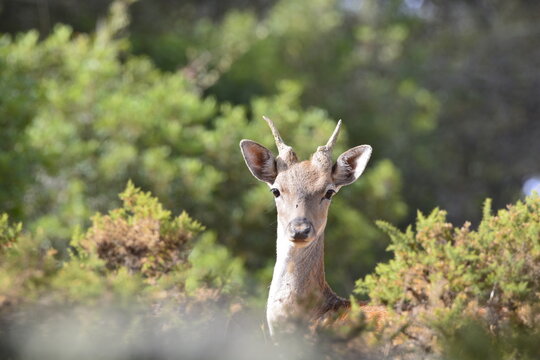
137	275
442	277
26	268
141	236
139	252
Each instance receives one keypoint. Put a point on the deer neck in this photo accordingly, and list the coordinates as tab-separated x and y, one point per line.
298	279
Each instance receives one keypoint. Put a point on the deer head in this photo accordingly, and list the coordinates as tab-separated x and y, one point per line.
303	189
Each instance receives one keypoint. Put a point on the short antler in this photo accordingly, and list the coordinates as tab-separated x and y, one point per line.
332	141
279	141
323	155
286	152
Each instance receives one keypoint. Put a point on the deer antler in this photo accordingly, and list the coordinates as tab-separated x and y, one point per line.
323	155
332	141
282	147
286	152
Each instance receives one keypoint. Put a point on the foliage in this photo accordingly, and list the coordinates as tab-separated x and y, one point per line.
8	233
135	253
141	236
25	268
440	273
98	116
136	271
435	86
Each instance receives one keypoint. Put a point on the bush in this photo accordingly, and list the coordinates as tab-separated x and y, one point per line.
443	278
141	236
135	253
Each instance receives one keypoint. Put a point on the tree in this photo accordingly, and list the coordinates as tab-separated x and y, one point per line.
104	117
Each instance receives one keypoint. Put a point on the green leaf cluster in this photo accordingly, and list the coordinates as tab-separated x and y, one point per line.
8	232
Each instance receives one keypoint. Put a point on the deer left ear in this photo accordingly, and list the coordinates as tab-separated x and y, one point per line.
260	161
350	165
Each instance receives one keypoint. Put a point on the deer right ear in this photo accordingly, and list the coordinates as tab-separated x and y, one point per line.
259	160
350	165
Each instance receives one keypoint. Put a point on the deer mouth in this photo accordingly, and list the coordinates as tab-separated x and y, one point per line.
302	241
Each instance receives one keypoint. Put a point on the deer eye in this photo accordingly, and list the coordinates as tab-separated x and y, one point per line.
275	192
329	194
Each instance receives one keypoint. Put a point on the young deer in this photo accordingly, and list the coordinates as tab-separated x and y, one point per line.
303	190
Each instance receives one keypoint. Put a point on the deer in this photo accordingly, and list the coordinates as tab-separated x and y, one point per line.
303	191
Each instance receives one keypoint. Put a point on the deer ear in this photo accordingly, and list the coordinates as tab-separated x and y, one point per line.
260	161
350	165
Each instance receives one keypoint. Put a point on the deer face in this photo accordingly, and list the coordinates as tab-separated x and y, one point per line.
302	194
303	190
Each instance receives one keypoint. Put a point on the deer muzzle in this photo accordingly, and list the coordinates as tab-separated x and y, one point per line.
300	229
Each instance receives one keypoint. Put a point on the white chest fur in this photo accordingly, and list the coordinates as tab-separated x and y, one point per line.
298	283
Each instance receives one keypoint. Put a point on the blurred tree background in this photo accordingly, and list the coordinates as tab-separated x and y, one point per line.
446	92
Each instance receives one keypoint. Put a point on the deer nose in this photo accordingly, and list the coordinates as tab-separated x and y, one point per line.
299	228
